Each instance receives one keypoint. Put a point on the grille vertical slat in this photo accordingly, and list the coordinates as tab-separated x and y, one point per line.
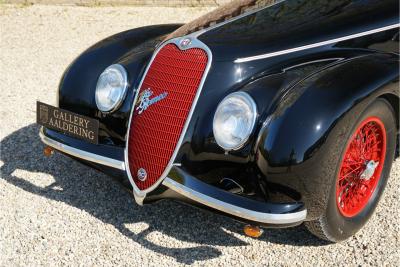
154	134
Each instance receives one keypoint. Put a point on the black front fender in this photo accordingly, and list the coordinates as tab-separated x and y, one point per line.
294	141
132	49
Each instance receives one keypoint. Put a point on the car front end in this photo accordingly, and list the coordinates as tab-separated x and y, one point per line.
155	158
224	118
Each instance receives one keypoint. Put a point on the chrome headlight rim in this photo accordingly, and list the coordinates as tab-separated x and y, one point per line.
121	69
253	107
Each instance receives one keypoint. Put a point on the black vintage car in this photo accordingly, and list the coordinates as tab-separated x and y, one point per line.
274	113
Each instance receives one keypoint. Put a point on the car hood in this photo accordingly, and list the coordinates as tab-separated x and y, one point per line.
292	24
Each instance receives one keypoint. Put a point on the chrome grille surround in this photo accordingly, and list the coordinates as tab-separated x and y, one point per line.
181	43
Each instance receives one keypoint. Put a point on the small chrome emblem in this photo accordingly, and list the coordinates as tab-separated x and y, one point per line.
142	174
145	102
185	42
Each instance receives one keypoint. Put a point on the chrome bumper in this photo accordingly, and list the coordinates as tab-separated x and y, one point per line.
191	188
235	205
78	153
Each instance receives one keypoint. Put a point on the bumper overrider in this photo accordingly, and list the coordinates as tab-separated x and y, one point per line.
181	185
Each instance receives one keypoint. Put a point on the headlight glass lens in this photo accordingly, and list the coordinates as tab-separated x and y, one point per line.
111	88
234	120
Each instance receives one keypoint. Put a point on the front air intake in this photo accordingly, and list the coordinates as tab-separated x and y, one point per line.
162	107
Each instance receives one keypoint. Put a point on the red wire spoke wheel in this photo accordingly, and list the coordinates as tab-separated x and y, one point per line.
361	149
361	167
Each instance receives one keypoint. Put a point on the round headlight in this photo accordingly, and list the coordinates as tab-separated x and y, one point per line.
234	120
111	88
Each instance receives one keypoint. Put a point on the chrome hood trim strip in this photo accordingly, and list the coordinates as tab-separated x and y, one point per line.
78	153
319	44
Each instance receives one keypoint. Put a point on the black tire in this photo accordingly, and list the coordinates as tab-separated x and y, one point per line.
332	225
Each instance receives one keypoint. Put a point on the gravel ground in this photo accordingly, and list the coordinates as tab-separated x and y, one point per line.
58	212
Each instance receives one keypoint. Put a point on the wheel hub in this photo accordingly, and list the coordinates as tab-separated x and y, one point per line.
369	170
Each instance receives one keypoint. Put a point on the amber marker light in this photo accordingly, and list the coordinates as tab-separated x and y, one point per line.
253	231
48	151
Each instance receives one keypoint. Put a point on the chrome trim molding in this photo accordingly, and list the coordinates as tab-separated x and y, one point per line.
251	215
194	43
305	47
81	153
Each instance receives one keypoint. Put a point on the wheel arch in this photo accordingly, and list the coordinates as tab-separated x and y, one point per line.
292	145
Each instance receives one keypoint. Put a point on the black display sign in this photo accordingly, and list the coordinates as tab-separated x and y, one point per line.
67	122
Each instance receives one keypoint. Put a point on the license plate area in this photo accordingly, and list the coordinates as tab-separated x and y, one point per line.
67	122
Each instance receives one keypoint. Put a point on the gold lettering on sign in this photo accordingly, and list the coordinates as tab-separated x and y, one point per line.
91	135
71	123
85	133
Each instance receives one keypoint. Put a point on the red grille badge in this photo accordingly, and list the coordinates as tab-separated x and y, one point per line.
162	111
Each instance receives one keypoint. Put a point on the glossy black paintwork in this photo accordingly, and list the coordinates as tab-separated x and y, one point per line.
291	140
299	121
292	146
267	81
302	95
294	23
132	49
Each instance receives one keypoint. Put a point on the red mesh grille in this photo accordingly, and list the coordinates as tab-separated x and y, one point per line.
155	132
